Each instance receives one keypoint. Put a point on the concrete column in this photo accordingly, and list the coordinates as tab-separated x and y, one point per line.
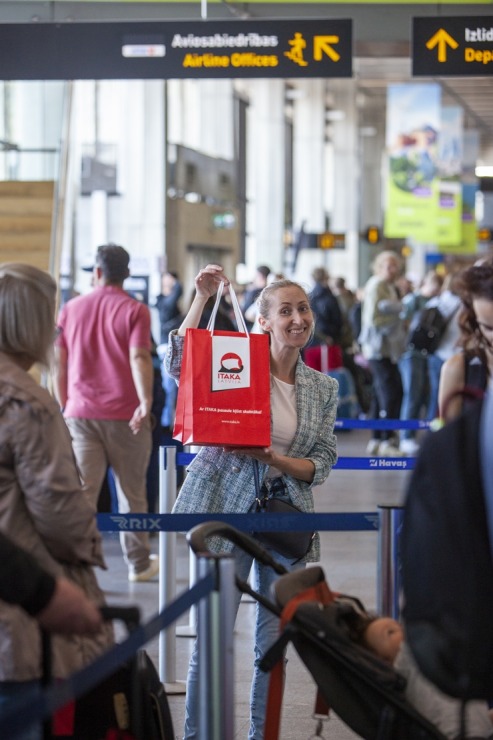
265	174
309	125
311	187
36	120
216	120
346	179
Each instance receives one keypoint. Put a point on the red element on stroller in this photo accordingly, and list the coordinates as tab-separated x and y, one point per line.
364	691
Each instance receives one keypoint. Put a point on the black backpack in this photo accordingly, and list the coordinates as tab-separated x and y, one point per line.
426	330
447	569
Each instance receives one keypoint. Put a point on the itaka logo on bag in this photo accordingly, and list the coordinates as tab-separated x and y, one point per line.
231	364
230	369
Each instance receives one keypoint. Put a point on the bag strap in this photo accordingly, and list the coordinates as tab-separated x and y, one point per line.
320	593
240	321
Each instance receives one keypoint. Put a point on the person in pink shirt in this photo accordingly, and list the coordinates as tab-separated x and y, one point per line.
103	382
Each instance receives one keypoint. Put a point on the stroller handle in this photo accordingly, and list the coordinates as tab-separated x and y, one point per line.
197	536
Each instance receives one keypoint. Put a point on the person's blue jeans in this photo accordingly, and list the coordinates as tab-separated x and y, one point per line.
170	389
20	693
413	367
266	632
434	369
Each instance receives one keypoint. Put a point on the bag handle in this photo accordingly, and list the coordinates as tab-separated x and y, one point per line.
240	321
256	479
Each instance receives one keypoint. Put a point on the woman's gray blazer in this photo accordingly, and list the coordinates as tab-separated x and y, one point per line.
218	481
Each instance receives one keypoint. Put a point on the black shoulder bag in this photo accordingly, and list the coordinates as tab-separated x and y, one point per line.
294	545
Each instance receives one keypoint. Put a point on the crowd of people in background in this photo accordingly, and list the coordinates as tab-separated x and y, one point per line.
109	374
362	337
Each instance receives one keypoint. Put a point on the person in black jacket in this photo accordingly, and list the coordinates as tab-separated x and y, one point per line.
167	304
325	306
446	557
57	603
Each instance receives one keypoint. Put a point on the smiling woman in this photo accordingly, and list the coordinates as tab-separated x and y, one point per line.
303	451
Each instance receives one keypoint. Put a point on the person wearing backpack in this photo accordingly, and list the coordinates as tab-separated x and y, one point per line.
413	364
448	303
473	365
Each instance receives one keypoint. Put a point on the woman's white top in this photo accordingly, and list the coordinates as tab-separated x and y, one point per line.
284	419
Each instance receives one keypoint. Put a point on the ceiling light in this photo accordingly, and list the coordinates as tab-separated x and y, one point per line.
368	131
335	115
485	170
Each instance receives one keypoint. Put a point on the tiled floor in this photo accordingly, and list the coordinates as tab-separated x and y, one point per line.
349	561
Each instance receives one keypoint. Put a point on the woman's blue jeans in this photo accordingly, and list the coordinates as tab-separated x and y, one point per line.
434	369
266	632
413	367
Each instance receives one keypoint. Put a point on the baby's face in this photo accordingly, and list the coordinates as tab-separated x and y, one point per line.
383	637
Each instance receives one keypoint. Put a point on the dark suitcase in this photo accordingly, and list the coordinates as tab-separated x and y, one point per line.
130	704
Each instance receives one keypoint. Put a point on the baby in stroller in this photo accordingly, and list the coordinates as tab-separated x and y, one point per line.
364	668
384	637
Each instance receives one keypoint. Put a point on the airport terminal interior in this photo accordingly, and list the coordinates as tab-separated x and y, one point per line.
296	171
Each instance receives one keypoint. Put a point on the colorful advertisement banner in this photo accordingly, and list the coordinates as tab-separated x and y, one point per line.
450	142
449	214
413	185
470	147
468	243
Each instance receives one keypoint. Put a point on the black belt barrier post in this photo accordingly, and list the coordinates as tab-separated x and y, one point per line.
388	565
216	617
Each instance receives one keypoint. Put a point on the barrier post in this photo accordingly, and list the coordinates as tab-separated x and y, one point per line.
216	617
167	571
388	565
190	629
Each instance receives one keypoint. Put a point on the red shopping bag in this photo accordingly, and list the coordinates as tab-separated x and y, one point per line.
224	391
323	357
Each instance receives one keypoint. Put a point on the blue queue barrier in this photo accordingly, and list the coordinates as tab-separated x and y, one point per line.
20	714
388	584
415	424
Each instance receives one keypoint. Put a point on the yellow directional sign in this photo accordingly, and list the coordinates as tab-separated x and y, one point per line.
442	39
327	240
484	235
456	46
319	48
373	235
323	45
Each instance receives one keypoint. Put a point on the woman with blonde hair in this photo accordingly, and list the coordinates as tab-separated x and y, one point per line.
303	451
42	504
382	341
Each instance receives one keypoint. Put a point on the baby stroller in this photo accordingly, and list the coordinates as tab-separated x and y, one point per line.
366	693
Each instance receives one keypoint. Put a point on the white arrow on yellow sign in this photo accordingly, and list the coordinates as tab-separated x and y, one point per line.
323	45
442	39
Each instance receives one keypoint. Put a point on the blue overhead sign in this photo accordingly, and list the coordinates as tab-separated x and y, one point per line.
170	50
458	46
